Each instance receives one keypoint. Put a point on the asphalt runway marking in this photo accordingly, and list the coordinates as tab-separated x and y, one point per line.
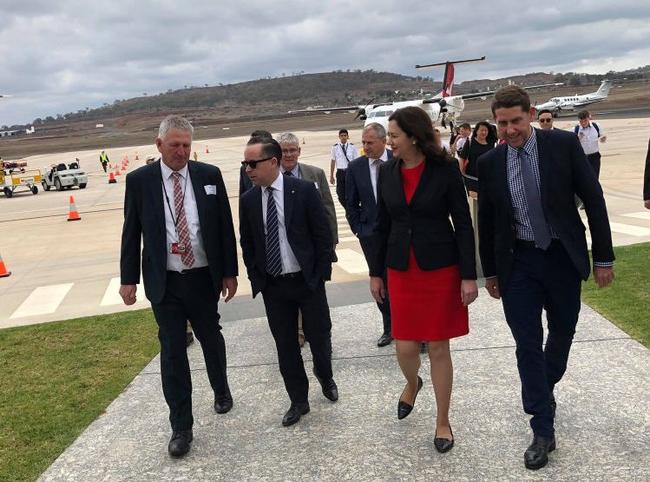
42	301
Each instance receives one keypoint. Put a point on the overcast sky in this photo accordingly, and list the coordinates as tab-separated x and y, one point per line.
58	56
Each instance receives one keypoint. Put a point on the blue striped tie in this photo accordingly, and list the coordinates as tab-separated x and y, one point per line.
535	211
273	257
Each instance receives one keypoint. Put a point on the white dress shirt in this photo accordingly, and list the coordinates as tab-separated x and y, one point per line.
589	138
340	157
174	261
374	171
289	262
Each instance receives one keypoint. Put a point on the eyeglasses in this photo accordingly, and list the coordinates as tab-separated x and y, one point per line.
544	121
253	164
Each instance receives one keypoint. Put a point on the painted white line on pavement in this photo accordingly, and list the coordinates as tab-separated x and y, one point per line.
112	293
42	301
645	215
629	229
351	261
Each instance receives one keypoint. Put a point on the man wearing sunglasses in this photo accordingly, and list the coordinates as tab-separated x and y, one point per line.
287	248
545	119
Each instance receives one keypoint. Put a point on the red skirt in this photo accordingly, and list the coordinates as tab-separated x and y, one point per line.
426	305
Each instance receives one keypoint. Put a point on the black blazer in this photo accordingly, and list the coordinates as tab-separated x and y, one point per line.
144	216
646	180
245	182
564	173
307	232
424	223
361	207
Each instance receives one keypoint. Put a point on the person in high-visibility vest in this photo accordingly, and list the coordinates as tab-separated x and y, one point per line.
103	158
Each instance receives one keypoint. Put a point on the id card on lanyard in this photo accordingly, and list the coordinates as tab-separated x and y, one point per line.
177	247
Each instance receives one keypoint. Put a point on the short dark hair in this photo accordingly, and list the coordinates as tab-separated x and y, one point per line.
270	147
465	125
511	96
343	131
417	125
261	133
583	114
544	111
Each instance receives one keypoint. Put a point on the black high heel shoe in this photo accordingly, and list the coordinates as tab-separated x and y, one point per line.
443	444
403	408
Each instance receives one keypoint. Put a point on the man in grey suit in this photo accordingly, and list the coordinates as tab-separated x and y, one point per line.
291	167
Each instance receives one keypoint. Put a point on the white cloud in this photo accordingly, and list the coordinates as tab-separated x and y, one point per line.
57	57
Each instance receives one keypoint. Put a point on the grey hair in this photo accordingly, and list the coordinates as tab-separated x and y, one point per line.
174	122
288	138
378	128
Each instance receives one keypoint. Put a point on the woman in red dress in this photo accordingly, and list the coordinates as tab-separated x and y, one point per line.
430	261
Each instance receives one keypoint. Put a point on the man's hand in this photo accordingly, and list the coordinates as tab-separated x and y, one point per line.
603	276
127	292
377	289
603	138
229	288
646	203
468	291
332	179
492	287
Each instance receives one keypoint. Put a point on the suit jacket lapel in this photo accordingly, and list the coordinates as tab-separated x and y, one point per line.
256	213
289	193
365	176
398	187
544	156
199	193
424	182
156	194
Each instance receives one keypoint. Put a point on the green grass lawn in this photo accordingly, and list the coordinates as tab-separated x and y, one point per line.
56	378
627	301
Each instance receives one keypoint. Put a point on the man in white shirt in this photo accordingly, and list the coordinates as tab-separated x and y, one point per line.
589	133
179	211
343	152
361	196
287	249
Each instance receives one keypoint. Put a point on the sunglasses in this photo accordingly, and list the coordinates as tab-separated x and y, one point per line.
544	121
253	164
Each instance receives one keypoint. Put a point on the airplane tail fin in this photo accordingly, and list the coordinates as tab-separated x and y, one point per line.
448	80
604	88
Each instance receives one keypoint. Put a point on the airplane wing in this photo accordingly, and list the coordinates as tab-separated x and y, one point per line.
491	92
327	109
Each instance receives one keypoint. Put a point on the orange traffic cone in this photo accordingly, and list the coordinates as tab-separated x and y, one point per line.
3	269
73	215
111	178
207	151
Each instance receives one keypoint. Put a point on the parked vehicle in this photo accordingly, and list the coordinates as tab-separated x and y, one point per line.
18	179
62	176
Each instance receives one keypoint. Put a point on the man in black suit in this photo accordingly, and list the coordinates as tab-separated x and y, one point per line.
533	248
361	198
287	249
181	211
646	180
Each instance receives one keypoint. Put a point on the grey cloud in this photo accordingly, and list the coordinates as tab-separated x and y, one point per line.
62	56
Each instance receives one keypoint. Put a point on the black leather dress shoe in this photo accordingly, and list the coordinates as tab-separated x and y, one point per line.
294	413
536	456
384	340
403	408
444	444
180	443
330	390
223	403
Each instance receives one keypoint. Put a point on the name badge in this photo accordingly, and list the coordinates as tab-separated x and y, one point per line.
210	189
177	248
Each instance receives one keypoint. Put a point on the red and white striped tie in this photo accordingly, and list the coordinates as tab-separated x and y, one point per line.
181	222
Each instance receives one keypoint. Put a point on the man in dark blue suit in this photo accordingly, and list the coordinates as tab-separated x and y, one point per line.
287	248
361	202
179	210
534	251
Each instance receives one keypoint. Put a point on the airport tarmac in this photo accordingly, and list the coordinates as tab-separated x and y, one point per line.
63	270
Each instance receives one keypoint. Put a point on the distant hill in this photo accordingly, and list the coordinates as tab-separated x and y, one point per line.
272	97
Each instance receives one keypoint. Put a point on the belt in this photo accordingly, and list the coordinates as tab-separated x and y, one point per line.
297	274
189	271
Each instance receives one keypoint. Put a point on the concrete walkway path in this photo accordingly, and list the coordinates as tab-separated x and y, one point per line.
602	425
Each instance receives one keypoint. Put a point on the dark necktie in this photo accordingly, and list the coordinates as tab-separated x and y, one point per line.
345	149
273	257
535	211
288	173
182	229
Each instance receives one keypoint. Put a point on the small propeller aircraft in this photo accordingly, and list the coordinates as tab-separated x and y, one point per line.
443	108
569	103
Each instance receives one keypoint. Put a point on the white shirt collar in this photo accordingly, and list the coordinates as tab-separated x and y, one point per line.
383	157
167	171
